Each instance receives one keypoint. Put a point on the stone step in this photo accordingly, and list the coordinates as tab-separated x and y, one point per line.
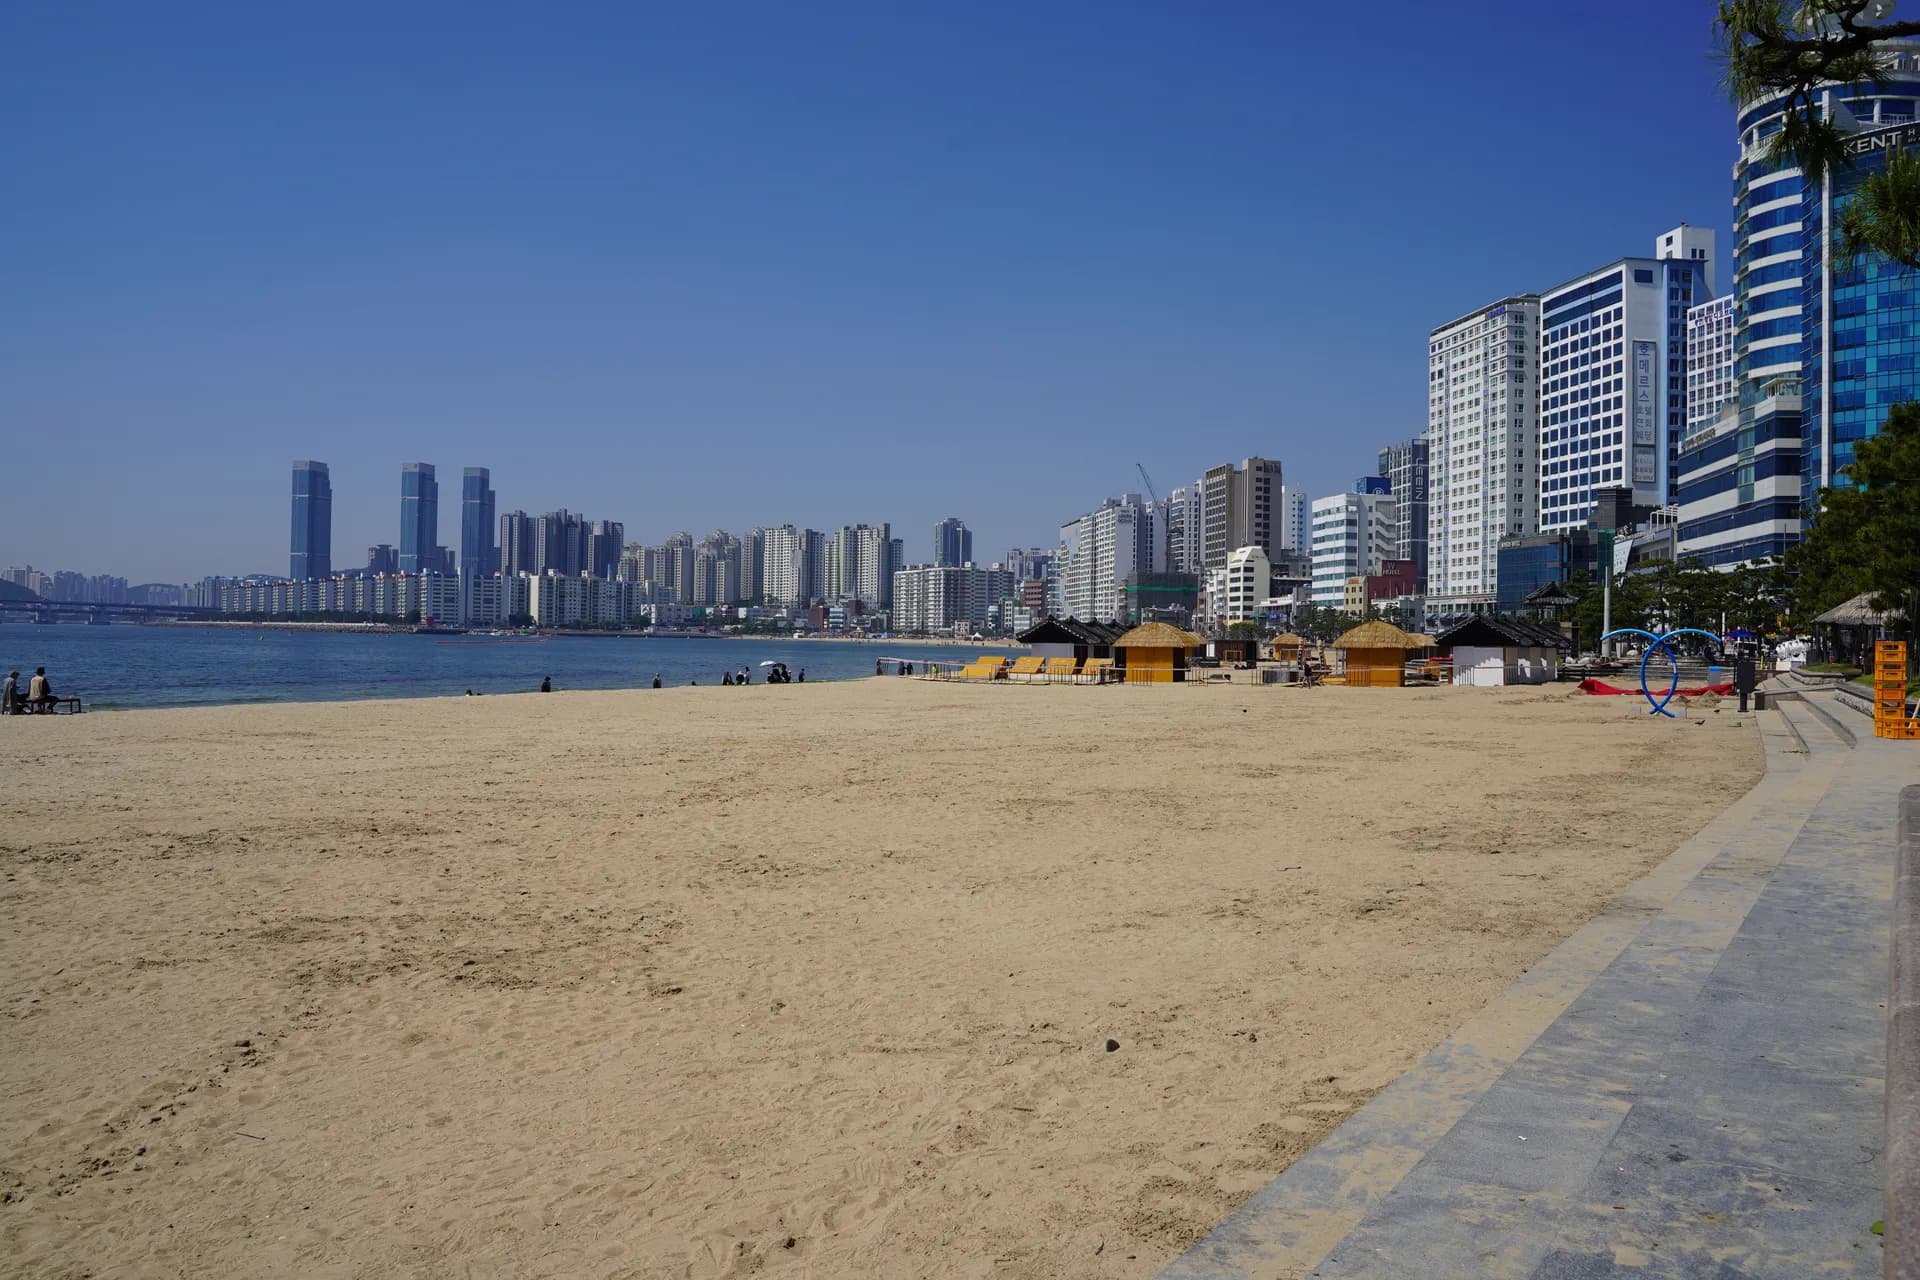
1450	1170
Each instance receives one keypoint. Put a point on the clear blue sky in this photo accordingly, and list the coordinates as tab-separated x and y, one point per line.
721	264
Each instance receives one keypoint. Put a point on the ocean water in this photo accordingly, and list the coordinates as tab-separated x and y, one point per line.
121	667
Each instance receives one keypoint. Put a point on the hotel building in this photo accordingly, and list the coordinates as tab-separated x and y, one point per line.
1613	377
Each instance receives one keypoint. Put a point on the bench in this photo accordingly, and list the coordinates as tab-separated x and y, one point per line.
48	708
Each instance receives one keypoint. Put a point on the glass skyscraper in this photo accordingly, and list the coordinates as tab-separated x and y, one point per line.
1846	332
478	557
312	555
419	519
952	542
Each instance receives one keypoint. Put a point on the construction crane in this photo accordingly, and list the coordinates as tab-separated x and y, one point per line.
1141	467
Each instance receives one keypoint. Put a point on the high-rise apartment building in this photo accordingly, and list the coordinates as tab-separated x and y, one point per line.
932	599
604	540
382	558
419	519
1483	382
1405	467
1183	520
874	565
1239	507
312	546
519	552
952	542
786	570
1098	551
478	556
1030	564
1613	377
1296	527
1354	534
1709	362
678	577
560	543
753	565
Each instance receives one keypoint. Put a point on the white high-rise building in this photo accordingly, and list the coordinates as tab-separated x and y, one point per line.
1613	380
1097	552
1249	575
1709	361
1296	526
930	599
1483	384
1353	534
873	557
1183	530
784	565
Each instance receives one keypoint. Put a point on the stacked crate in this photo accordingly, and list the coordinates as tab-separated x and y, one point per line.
1890	719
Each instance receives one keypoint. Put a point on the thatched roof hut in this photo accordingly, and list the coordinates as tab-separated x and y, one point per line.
1376	635
1375	653
1155	653
1158	635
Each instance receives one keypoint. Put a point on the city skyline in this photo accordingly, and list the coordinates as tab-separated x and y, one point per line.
605	337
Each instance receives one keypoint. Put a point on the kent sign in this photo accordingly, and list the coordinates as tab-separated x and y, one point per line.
1905	135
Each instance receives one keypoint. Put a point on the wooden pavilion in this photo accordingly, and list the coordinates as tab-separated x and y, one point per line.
1286	647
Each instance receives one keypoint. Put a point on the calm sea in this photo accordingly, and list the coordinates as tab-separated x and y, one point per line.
118	667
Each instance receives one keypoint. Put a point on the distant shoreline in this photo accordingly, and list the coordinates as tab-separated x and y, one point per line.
391	629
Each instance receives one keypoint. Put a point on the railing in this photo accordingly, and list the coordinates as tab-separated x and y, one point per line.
1902	1223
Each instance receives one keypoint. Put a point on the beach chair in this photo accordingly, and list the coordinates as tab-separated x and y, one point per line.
1025	668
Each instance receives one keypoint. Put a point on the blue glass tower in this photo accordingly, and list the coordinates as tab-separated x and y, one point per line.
1846	332
419	519
312	546
478	557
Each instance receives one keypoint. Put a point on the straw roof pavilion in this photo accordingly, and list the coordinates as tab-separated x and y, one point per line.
1377	635
1158	635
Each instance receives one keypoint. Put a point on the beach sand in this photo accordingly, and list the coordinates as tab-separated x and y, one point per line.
809	980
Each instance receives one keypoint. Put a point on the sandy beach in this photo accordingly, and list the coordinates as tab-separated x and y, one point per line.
809	980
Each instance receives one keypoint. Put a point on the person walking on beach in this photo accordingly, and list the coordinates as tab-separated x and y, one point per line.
726	677
803	675
546	684
10	695
656	679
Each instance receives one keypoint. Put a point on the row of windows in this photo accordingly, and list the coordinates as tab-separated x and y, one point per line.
1765	467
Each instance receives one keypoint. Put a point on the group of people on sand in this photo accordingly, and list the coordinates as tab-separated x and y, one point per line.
39	696
776	674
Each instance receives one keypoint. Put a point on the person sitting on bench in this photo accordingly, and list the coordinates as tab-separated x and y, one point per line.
39	692
10	703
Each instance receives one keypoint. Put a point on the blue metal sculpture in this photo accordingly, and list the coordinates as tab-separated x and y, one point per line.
1658	706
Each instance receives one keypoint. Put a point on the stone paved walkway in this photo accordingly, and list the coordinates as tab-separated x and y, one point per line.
1691	1086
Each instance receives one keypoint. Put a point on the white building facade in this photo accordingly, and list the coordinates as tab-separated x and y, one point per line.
1248	582
1613	381
1483	386
948	599
1296	521
1353	534
1709	361
1097	552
